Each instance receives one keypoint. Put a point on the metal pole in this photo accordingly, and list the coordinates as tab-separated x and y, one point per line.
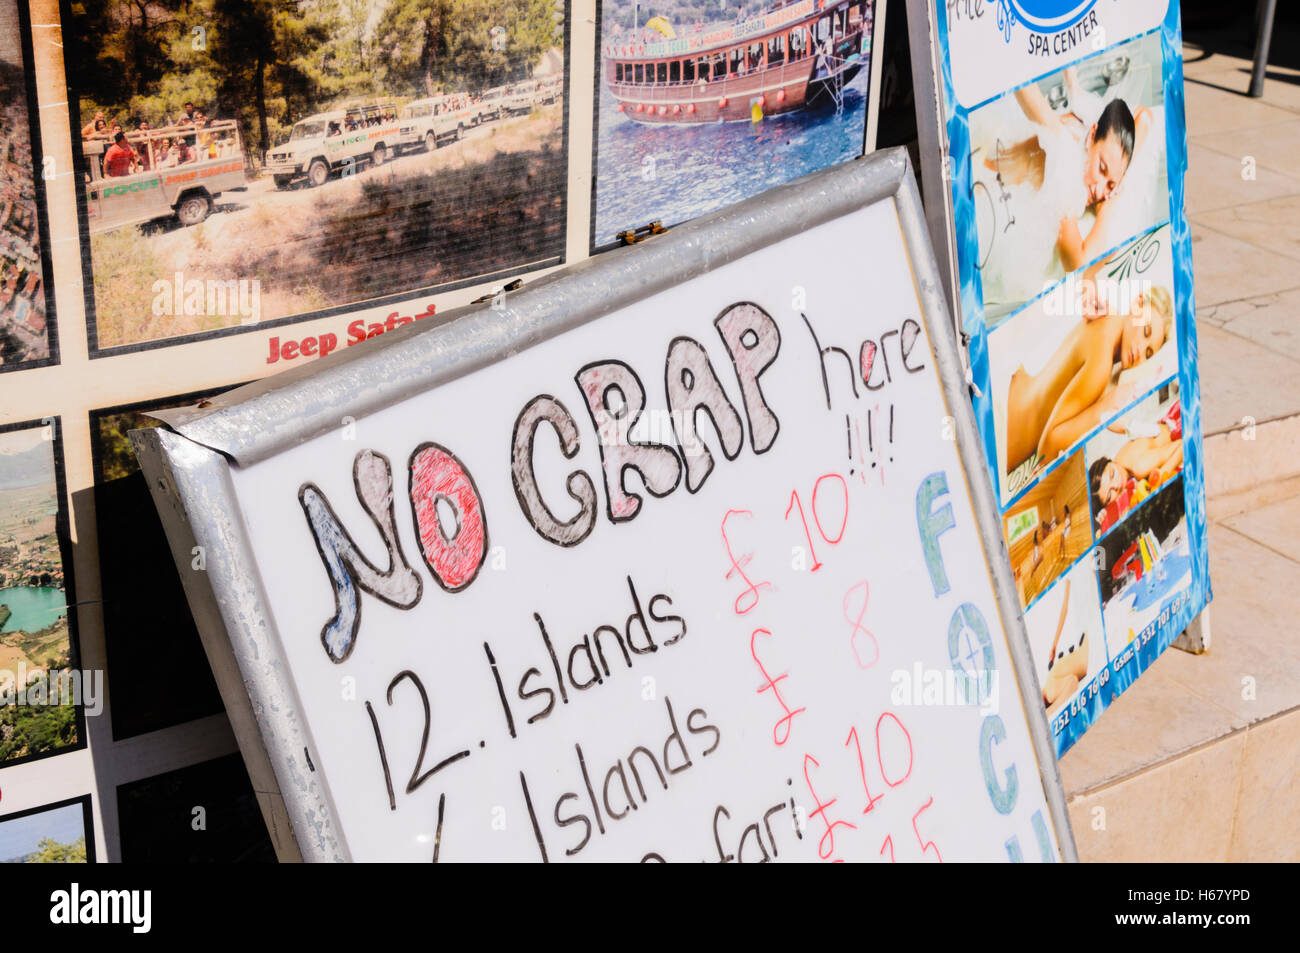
1266	10
927	80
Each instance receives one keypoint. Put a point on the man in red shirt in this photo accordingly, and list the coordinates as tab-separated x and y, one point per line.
118	158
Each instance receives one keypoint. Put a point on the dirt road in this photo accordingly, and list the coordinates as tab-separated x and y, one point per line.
261	212
491	201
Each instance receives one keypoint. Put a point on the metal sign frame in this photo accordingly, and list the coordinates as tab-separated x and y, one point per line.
188	463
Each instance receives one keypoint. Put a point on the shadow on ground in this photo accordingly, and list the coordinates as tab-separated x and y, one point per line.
1210	26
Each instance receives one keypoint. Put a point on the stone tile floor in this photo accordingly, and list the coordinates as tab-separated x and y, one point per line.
1243	200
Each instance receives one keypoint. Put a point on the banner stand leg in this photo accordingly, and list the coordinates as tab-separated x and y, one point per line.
1196	637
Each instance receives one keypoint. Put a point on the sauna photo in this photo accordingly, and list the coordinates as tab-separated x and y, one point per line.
1048	528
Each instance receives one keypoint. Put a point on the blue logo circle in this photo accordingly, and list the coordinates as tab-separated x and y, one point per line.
1045	16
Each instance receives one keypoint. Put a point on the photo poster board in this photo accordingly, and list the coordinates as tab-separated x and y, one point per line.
282	276
1063	150
687	554
698	107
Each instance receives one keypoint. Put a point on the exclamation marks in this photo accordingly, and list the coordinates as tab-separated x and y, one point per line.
848	439
852	426
872	416
891	441
861	461
891	430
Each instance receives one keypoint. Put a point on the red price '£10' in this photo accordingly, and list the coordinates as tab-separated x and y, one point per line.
890	732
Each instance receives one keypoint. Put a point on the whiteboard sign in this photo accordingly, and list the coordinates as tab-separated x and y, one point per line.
679	557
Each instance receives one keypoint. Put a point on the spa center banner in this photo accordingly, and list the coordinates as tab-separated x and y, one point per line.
1066	156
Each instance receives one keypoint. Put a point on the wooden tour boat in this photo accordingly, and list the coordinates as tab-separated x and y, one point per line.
797	54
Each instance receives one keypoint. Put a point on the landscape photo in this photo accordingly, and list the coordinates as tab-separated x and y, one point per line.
56	834
36	647
26	321
701	103
253	161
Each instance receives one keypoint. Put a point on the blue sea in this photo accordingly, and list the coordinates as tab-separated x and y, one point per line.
32	609
697	169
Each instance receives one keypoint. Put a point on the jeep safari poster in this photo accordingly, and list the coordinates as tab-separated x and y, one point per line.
307	157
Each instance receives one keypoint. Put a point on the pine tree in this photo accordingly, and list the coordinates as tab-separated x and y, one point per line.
50	851
412	42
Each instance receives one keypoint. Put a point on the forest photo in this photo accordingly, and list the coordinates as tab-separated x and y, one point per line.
308	155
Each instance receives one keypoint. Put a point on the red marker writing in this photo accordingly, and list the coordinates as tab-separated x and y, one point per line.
771	683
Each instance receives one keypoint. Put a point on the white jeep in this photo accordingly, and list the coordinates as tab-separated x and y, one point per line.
335	141
493	104
522	97
552	88
174	172
426	122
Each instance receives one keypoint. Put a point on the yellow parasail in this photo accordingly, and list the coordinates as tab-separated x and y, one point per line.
661	25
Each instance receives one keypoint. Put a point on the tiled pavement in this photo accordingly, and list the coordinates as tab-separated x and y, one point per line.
1245	238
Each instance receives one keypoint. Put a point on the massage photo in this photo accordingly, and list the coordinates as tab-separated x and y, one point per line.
1066	637
1135	456
1066	168
1073	360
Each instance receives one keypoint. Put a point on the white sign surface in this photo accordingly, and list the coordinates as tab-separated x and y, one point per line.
996	45
779	641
